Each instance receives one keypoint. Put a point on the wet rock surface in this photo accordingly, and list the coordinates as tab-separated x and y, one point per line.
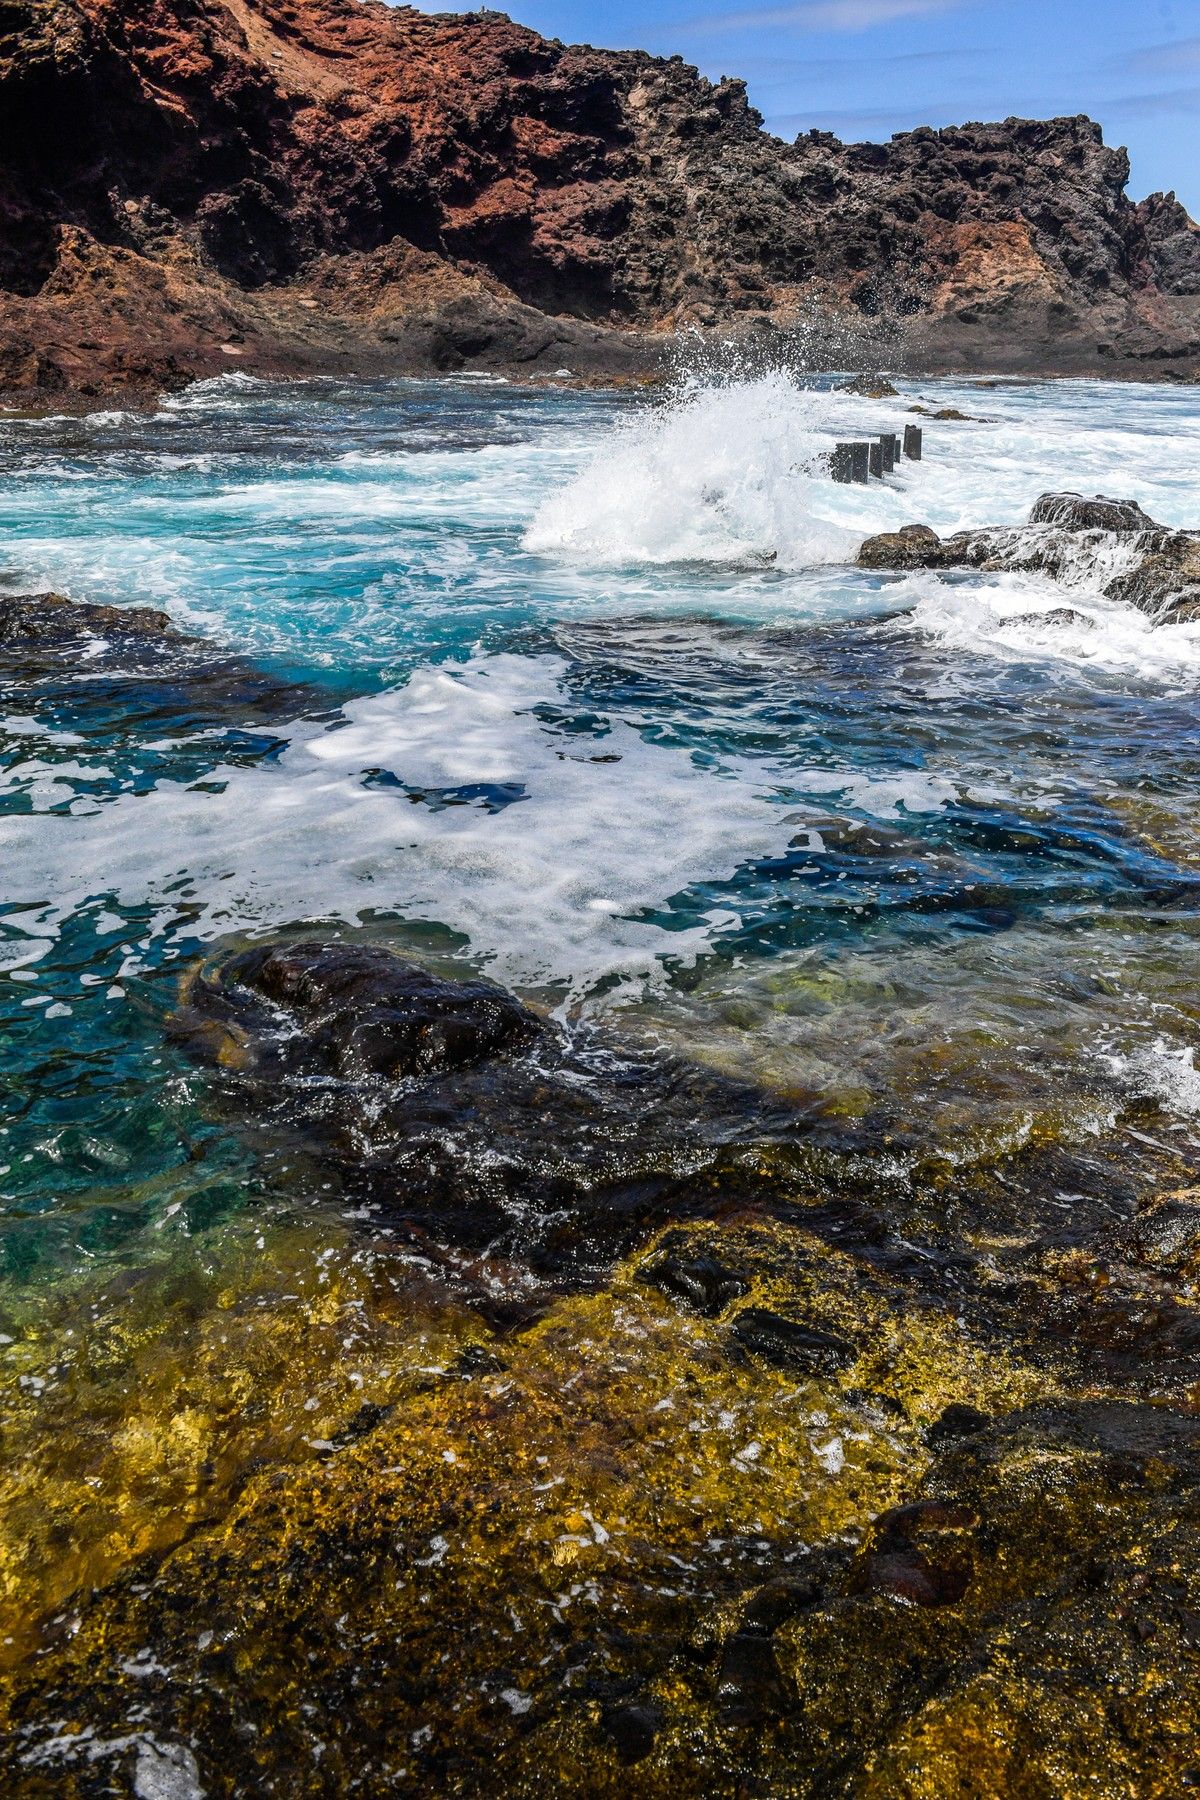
53	619
615	1548
1076	513
449	1105
912	547
129	668
1109	547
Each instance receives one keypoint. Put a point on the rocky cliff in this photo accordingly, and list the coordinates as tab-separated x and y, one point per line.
194	185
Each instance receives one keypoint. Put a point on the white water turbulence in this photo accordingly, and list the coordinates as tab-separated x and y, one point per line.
724	474
1010	617
450	800
732	474
587	690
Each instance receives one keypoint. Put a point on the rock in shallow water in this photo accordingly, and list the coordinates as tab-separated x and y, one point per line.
52	619
791	1343
360	1011
456	1110
1108	547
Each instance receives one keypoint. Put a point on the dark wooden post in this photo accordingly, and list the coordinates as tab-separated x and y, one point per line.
841	463
862	463
877	459
912	442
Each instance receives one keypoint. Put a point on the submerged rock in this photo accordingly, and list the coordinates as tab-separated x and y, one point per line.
620	1549
53	619
355	1012
459	1113
633	1730
791	1343
701	1282
1107	547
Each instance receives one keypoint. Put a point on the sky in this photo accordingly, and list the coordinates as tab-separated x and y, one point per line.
867	68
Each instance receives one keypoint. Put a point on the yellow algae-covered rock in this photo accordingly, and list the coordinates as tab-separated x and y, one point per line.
815	1487
135	1407
536	1557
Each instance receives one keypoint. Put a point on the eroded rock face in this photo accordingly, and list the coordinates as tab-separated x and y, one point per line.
1107	547
293	184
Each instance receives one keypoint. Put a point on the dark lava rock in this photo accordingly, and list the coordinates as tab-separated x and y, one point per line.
1165	1236
700	1282
869	387
362	1011
750	1686
913	547
955	1423
789	1344
1075	513
454	1110
916	1556
633	1730
51	619
778	1601
1158	569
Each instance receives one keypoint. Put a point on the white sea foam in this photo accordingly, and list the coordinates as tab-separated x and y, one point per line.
725	472
1161	1071
1021	620
548	888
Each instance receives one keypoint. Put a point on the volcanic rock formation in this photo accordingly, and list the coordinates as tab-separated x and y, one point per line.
1108	547
300	185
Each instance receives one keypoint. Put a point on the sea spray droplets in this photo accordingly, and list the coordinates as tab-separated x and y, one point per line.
723	474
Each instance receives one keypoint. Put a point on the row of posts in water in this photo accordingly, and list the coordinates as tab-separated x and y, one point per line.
858	462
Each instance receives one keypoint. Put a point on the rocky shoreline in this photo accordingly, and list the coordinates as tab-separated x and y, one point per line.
1098	546
299	187
803	1496
595	1435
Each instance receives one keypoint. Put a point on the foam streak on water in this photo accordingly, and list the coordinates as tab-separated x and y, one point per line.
600	696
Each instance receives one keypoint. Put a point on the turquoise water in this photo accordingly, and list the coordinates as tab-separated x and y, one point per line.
580	690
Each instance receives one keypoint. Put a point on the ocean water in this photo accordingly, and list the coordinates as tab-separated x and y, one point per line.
588	697
581	691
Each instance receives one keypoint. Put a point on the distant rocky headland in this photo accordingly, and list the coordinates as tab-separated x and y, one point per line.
307	186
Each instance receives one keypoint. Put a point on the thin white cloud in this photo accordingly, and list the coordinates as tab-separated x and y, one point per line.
1162	59
827	15
1150	106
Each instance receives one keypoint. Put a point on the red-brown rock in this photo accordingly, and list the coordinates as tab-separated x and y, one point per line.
333	184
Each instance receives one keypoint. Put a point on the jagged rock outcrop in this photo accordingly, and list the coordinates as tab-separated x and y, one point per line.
53	619
307	184
1102	546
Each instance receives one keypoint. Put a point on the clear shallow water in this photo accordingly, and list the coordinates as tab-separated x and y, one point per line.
582	691
595	703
